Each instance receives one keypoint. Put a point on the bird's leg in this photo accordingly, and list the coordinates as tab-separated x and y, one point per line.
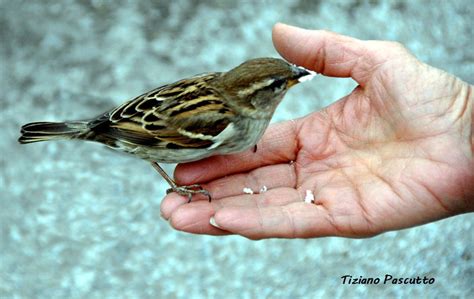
255	148
181	190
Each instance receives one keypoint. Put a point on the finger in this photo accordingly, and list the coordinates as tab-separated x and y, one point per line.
171	203
276	196
276	146
295	220
195	216
325	52
258	180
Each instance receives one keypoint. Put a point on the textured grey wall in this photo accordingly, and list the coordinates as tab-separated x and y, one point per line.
79	221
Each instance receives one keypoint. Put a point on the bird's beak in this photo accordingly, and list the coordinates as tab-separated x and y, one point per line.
300	74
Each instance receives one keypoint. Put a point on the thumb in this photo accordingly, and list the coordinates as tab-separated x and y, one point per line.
325	52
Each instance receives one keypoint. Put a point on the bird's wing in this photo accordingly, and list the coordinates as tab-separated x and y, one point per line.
185	114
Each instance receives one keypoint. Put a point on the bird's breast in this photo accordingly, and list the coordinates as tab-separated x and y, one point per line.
240	135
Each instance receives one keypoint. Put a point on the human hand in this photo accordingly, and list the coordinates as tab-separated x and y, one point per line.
395	153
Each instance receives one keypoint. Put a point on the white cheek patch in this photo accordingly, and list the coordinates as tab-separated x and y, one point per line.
311	75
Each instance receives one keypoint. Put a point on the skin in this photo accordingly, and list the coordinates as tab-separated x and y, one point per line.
395	153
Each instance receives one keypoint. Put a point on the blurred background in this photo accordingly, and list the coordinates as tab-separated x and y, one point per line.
80	221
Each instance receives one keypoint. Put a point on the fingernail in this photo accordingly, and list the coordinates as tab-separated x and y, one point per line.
212	221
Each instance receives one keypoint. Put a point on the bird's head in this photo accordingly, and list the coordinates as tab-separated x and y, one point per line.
261	83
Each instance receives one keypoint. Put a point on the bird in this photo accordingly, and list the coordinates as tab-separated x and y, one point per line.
216	113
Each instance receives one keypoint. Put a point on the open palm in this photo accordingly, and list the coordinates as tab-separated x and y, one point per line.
395	153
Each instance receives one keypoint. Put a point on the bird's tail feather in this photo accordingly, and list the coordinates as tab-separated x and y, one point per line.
44	131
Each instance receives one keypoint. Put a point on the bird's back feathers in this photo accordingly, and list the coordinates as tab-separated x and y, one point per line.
166	117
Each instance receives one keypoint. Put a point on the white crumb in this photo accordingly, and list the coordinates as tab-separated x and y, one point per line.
309	198
307	77
247	190
263	189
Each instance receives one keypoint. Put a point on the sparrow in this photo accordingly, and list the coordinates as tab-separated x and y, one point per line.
209	114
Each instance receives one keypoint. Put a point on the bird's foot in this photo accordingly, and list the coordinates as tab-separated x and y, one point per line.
189	191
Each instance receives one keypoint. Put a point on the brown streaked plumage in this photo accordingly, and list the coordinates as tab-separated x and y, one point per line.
191	119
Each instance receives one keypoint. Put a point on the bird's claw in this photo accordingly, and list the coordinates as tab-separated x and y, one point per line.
189	191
